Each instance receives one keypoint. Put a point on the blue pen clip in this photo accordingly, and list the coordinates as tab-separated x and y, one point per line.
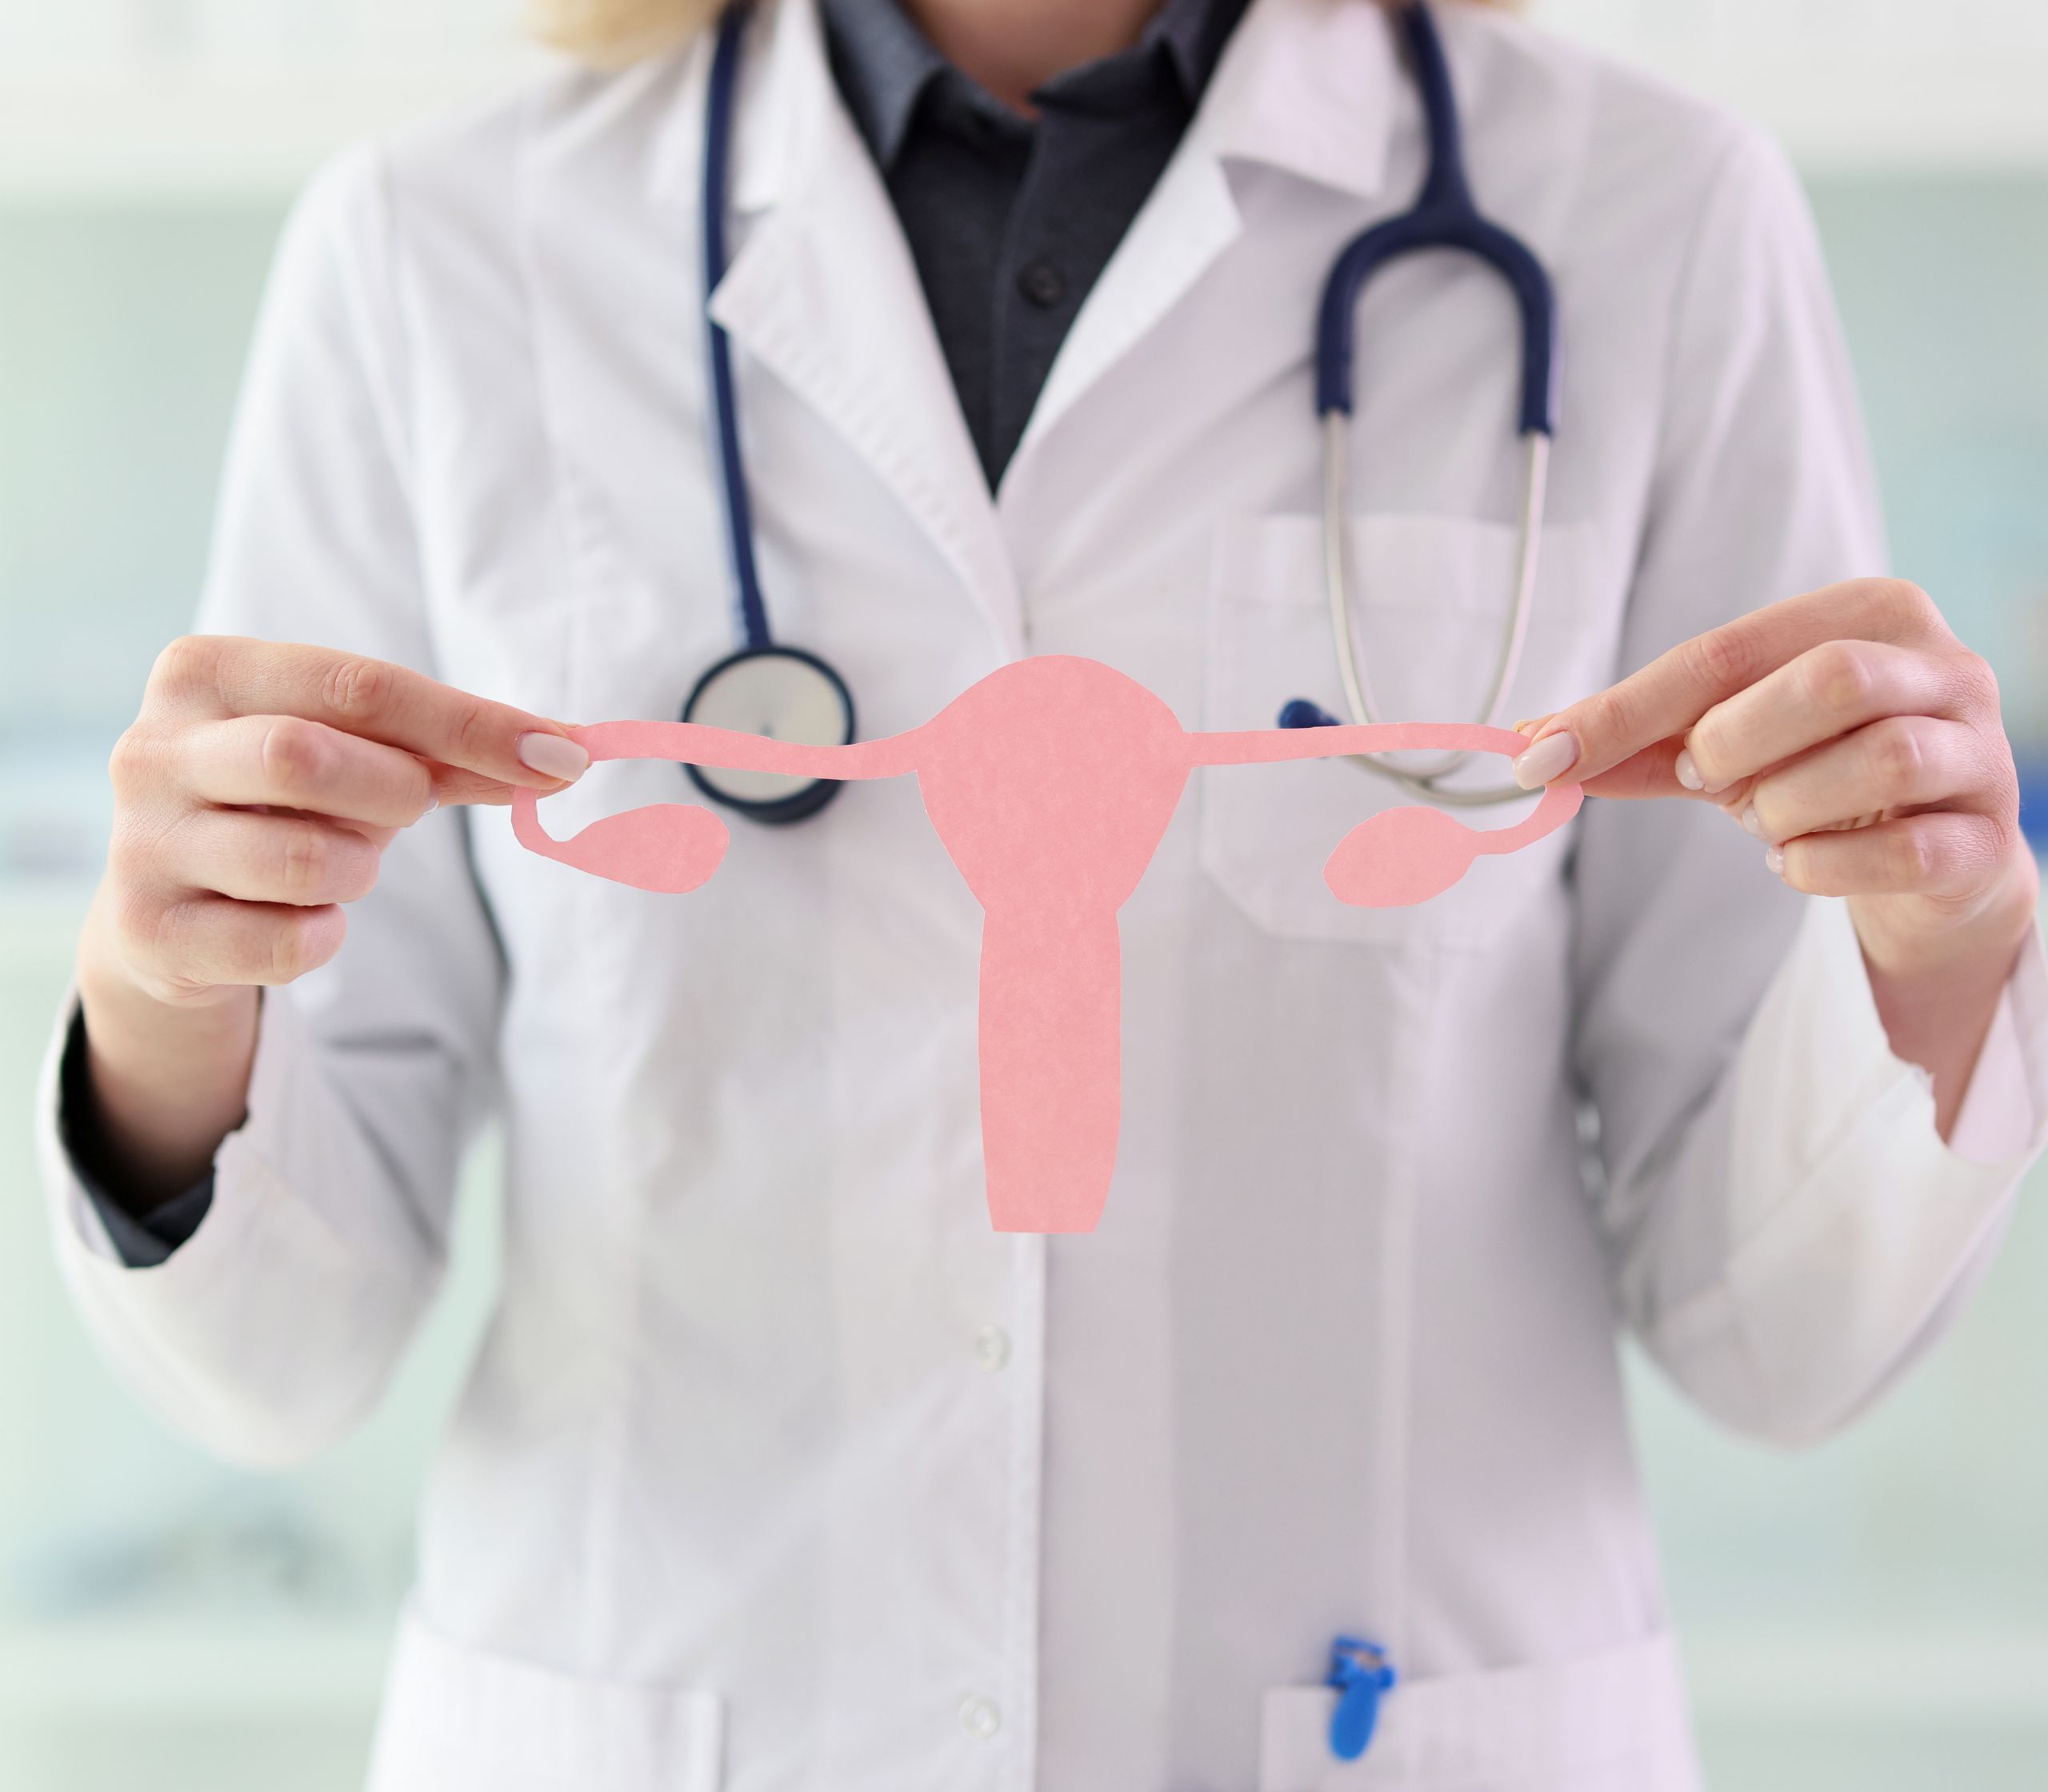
1361	1674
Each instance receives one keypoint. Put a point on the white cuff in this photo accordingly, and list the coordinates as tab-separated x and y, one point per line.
1851	1226
280	1047
267	1332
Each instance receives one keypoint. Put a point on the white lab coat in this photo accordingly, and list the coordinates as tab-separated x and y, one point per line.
779	1470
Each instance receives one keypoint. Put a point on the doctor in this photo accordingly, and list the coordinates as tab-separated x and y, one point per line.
778	1468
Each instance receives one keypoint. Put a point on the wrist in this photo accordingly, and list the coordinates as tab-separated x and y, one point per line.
1936	980
1921	939
166	1080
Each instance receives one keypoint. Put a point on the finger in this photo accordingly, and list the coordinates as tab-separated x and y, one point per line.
288	760
1946	853
1827	691
1675	690
225	675
1901	762
207	940
380	837
1651	773
304	861
454	786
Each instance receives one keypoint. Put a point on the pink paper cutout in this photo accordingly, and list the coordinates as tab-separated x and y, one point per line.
1050	784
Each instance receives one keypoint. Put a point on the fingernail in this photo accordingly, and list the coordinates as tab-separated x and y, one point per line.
1773	861
432	803
1549	757
1749	820
553	756
1686	772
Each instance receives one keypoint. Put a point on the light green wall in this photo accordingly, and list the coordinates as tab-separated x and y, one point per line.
1943	286
121	336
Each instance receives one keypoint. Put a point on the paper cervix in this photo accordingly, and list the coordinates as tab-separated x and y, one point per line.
1051	783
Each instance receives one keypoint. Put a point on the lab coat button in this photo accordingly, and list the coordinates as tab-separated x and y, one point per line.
980	1718
1042	284
991	1347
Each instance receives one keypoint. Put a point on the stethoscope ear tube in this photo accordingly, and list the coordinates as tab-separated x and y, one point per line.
1337	584
1444	216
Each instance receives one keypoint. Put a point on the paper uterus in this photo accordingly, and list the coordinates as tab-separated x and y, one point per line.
1051	783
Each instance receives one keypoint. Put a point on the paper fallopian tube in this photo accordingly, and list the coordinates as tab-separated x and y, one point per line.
1051	783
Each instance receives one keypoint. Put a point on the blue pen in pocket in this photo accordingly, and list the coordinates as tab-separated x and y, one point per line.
1362	1675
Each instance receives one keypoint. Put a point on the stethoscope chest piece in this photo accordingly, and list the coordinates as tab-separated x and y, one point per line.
786	695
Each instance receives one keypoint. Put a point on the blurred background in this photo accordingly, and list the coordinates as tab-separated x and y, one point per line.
1872	1615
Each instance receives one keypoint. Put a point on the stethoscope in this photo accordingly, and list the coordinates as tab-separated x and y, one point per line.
764	687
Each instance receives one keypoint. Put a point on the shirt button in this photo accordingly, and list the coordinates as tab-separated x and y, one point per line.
991	1347
1042	284
980	1718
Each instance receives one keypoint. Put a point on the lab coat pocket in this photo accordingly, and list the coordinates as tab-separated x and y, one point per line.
1432	597
1613	1722
457	1719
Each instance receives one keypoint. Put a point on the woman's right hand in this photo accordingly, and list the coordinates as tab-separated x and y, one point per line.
254	797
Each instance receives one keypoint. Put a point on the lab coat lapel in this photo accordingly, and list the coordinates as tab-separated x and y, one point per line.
824	293
1188	221
1310	88
1306	87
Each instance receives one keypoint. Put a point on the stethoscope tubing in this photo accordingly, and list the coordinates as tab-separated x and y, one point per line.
1336	586
1444	216
718	106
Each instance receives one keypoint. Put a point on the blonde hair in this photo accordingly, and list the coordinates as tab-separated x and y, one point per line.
611	33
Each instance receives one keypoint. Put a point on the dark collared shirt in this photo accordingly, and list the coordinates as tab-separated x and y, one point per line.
1010	220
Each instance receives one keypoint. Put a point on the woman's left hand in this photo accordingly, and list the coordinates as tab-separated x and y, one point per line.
1862	744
